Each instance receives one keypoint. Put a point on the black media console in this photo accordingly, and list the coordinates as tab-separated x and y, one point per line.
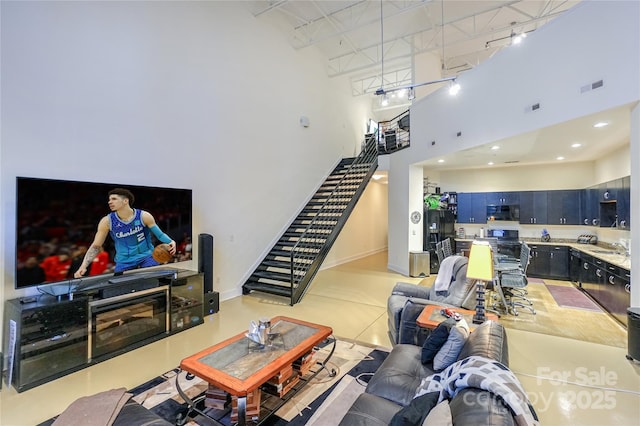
50	336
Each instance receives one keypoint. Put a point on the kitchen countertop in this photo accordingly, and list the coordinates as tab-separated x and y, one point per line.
595	250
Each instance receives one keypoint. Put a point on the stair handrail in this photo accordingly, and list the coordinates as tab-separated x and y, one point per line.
299	269
401	134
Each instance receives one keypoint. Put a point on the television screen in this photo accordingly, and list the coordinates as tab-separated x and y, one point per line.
58	219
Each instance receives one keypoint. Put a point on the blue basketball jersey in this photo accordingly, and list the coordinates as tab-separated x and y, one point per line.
132	239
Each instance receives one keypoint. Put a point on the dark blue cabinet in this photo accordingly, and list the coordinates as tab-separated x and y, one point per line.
502	198
472	207
533	207
609	190
624	204
563	207
589	207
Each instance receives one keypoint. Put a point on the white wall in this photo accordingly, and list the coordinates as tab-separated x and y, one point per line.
556	60
518	178
195	95
365	232
613	166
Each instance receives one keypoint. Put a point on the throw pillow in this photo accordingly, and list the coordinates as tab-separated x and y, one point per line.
436	339
450	350
440	415
416	411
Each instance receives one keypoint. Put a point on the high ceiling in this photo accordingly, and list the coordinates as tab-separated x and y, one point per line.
359	37
460	34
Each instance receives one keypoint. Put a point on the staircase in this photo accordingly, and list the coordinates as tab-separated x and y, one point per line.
287	270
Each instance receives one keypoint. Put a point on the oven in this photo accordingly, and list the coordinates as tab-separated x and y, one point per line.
120	323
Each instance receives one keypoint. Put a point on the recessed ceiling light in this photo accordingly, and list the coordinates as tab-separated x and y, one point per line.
560	158
495	147
600	124
490	163
576	145
441	161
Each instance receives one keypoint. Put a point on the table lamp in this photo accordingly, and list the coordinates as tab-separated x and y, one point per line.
480	268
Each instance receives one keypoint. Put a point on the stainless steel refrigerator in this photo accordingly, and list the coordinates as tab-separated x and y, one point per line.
438	226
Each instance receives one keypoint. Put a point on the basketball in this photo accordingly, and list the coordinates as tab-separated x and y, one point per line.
161	253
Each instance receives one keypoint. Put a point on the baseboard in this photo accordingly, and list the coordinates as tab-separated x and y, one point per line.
327	265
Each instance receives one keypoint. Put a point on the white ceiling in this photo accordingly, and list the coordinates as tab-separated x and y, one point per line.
359	45
544	146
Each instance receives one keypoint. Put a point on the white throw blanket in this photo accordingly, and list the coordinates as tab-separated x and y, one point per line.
445	275
481	373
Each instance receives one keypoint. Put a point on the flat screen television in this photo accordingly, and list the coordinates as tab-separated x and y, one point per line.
61	216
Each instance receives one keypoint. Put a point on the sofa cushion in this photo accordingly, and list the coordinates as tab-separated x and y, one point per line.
471	407
448	353
436	340
416	412
410	331
488	340
370	410
440	415
399	375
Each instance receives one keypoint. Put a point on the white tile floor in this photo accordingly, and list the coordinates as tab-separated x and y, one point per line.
600	386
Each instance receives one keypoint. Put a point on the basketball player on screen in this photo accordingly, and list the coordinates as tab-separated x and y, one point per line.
130	230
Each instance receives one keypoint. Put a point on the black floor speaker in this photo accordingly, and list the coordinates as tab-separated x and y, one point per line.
205	260
211	302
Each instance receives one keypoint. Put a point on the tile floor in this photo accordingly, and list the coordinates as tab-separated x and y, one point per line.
569	381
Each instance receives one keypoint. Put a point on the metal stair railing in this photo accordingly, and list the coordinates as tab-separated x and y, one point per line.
305	257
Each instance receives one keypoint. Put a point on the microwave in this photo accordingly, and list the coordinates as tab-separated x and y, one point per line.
503	212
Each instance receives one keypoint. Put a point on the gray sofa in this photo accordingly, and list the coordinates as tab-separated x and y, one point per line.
394	385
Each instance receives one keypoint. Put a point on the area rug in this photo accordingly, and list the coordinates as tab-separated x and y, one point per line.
571	297
316	403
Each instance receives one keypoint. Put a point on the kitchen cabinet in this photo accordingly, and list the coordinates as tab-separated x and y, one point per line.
502	198
609	190
472	207
590	207
609	285
593	275
623	207
559	262
575	266
563	207
549	261
614	295
538	262
533	207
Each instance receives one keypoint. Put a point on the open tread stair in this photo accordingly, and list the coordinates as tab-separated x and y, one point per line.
290	265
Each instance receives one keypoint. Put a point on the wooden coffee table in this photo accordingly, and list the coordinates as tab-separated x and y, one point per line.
240	367
430	316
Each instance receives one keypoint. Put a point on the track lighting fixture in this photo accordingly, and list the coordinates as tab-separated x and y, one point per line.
453	90
455	87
